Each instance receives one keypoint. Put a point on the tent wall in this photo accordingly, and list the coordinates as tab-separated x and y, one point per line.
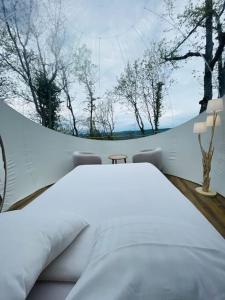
37	156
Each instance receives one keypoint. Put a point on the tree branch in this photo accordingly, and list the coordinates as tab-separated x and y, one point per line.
2	198
189	34
221	38
219	50
222	10
187	55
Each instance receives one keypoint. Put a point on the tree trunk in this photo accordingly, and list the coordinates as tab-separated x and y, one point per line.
2	197
208	55
91	118
69	106
158	106
221	77
139	119
91	106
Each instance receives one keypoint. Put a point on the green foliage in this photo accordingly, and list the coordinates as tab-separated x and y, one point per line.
48	98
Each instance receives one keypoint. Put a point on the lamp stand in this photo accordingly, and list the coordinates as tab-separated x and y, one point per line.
206	163
199	190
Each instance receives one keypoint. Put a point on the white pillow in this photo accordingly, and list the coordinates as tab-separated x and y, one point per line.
29	243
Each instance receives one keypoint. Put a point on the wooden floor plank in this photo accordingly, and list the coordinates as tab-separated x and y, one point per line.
22	203
212	208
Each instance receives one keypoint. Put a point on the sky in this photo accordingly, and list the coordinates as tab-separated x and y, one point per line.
120	30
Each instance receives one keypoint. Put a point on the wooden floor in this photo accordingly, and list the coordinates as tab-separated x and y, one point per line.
22	203
212	208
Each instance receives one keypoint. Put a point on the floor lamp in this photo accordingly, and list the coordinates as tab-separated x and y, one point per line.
214	107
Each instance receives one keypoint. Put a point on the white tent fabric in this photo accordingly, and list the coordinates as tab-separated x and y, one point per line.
37	156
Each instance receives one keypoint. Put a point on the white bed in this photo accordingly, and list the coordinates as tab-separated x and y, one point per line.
50	290
106	192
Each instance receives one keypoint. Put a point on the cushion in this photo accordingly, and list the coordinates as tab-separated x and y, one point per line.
153	156
29	242
86	158
72	262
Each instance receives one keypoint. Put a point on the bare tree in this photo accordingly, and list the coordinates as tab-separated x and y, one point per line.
209	15
154	79
128	90
65	74
5	85
105	116
85	71
4	82
220	56
15	51
22	52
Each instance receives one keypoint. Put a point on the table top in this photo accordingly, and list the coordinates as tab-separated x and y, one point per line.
117	156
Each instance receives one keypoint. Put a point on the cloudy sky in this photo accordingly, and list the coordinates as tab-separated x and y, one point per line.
120	30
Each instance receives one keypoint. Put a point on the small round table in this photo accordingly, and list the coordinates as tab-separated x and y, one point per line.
115	158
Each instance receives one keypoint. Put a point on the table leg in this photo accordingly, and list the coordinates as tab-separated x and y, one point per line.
125	160
113	161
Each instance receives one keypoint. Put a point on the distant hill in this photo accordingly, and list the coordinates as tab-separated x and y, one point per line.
135	134
125	135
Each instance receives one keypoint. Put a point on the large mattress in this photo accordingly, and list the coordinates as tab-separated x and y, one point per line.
105	192
50	290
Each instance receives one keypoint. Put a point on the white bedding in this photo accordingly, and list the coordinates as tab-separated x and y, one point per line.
100	193
142	258
50	290
29	242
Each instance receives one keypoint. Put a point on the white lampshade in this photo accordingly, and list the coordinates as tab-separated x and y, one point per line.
209	121
199	127
215	105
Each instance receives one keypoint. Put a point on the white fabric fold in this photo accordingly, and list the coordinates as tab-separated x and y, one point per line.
153	258
100	193
29	242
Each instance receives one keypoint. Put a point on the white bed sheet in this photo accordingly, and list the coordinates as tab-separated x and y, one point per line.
103	192
50	290
142	258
